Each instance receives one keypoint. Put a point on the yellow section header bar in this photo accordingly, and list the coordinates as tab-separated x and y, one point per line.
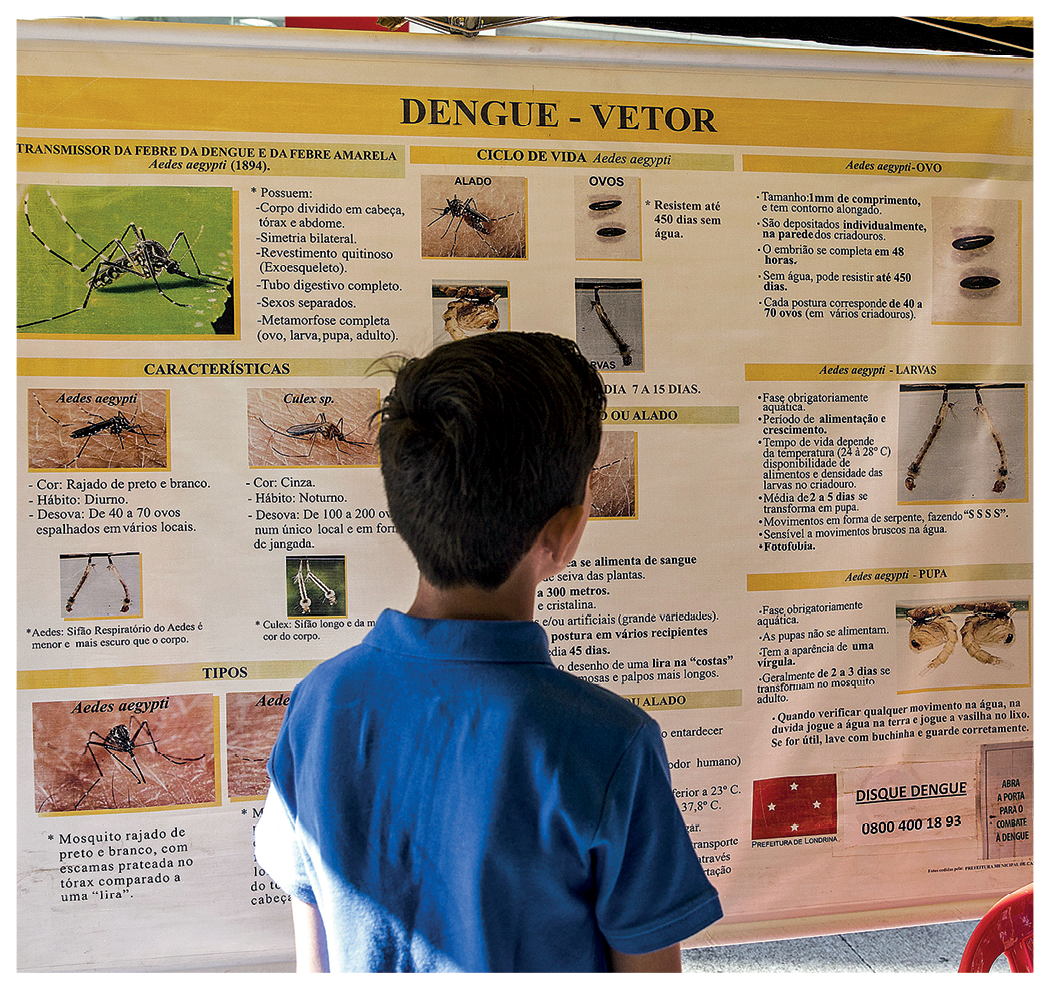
162	673
667	700
133	156
928	574
883	167
621	159
850	372
634	415
241	106
168	368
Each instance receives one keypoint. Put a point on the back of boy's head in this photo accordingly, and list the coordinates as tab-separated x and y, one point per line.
481	442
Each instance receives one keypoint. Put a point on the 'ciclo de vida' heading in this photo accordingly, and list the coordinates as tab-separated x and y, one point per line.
518	113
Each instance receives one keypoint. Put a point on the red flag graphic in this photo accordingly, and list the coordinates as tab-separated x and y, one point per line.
785	807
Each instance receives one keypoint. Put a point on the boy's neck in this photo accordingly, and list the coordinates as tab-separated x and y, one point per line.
515	599
512	601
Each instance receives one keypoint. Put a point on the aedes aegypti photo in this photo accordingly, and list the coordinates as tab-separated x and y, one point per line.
139	261
124	753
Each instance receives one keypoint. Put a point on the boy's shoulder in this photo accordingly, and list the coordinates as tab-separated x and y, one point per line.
509	661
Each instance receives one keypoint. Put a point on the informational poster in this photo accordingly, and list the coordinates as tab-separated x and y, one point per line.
806	279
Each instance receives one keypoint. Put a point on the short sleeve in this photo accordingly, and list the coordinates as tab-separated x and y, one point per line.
651	888
278	849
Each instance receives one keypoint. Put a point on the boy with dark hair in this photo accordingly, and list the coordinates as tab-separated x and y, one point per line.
443	797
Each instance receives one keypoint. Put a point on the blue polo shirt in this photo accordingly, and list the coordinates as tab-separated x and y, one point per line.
450	800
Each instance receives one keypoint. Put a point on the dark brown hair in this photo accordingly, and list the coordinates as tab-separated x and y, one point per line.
481	442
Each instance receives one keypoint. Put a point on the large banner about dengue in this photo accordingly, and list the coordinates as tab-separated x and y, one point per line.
807	282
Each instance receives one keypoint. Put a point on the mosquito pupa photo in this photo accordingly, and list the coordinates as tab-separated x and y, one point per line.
467	310
963	642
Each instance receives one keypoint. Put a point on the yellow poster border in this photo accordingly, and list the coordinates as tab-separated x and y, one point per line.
207	106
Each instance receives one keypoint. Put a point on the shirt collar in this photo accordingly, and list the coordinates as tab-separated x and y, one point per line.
459	639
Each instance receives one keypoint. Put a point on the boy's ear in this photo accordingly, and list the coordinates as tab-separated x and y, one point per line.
562	533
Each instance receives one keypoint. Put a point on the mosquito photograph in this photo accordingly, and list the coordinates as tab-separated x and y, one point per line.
132	261
92	429
124	753
312	427
614	480
253	719
468	221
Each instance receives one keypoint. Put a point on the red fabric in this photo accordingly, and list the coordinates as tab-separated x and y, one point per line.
785	807
1008	927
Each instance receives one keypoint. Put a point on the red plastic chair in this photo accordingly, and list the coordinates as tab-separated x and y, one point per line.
1008	927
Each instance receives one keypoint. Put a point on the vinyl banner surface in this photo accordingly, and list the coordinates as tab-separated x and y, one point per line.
807	282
